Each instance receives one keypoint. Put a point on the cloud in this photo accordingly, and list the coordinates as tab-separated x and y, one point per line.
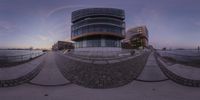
3	29
69	39
42	37
66	7
197	23
7	27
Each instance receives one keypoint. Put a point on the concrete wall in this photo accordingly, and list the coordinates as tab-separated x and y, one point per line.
99	49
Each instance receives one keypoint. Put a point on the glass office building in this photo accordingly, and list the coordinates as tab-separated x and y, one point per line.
97	27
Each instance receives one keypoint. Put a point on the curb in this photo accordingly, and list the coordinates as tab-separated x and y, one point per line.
176	78
151	80
23	79
46	85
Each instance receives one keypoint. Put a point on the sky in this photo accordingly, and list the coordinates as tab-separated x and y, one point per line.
40	23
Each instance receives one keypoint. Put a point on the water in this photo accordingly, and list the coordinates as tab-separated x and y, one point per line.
182	55
18	55
185	52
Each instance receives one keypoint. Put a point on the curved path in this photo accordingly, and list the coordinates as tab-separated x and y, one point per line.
185	75
185	71
50	74
151	71
135	90
19	74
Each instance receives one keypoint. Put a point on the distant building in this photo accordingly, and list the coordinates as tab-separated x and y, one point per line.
135	38
98	29
62	45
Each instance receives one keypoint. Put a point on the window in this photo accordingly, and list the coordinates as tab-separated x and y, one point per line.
111	43
94	42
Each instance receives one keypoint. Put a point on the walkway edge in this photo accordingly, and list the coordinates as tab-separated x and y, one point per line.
22	79
47	85
174	77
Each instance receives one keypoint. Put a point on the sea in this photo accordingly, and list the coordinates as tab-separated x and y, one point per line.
182	52
182	55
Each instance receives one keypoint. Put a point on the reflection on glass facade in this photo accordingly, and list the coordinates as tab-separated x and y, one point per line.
112	12
104	20
97	42
107	22
97	28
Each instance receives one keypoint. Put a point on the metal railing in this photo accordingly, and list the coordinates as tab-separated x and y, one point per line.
19	58
176	54
181	57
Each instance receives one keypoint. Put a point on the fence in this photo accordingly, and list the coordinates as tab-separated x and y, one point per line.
19	58
181	57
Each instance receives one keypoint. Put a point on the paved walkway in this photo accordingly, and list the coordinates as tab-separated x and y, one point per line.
151	71
50	74
166	90
184	71
19	70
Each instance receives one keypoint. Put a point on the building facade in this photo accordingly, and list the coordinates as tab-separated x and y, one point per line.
62	45
97	28
136	37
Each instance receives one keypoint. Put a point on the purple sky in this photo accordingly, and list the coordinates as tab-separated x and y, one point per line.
40	23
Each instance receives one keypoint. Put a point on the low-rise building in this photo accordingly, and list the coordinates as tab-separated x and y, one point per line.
63	45
135	38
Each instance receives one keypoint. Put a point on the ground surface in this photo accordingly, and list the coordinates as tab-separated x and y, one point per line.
138	90
101	75
50	74
151	71
166	90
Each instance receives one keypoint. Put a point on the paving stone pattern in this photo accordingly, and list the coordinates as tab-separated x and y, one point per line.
101	75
